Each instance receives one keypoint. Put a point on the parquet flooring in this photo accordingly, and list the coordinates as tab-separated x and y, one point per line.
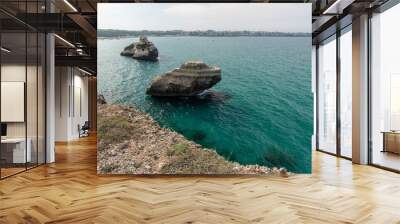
8	171
69	191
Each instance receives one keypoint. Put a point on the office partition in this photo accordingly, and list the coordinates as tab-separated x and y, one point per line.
22	77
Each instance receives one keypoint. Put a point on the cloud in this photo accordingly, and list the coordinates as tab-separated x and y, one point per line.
185	10
284	17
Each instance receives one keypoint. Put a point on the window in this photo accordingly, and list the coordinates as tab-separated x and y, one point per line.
394	101
346	93
327	96
385	89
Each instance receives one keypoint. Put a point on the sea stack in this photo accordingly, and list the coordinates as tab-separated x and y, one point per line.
101	99
191	79
142	50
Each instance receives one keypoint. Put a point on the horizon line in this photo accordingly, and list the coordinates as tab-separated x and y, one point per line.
205	30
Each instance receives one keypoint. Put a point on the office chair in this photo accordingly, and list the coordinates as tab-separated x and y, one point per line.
84	130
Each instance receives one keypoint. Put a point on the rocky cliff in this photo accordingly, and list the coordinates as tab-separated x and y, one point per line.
131	142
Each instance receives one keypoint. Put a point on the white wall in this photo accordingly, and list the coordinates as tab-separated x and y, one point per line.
62	82
17	73
11	73
80	109
13	101
33	126
71	87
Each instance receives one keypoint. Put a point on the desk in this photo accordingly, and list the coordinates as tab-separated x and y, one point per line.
391	141
13	150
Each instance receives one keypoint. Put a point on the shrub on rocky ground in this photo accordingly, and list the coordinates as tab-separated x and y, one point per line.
115	129
177	149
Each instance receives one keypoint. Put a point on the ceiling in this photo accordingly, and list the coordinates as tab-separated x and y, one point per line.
332	15
75	21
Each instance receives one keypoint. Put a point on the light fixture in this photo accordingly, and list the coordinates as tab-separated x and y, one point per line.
64	40
5	50
84	71
70	5
80	51
79	44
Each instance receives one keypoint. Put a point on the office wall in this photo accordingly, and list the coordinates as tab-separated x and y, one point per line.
80	102
62	82
71	102
17	73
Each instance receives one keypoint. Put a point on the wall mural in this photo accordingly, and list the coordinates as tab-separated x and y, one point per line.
204	89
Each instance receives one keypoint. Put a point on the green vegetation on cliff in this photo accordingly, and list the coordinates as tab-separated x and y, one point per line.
131	142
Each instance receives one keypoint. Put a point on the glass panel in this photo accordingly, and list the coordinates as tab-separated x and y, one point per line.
386	89
346	94
23	90
13	88
327	96
41	99
31	98
31	88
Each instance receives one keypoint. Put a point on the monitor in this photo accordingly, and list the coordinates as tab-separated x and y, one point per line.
3	129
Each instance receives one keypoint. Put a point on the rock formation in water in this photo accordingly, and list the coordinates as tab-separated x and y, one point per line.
142	50
101	99
191	79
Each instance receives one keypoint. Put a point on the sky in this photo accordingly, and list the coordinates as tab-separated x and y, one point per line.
201	16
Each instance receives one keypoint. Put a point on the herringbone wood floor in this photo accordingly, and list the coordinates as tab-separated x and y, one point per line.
69	191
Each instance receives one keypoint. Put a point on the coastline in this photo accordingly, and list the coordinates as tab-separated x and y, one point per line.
150	36
208	33
132	142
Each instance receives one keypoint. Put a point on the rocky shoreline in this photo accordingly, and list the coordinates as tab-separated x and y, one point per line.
132	142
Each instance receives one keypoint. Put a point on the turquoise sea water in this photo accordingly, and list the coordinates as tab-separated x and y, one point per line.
265	114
